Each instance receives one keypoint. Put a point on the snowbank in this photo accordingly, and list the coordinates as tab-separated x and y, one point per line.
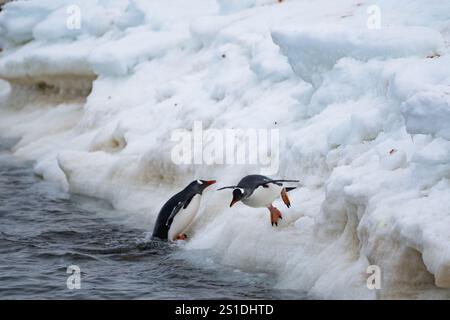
314	51
363	115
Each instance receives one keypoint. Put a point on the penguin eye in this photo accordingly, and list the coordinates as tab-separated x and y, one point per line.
199	182
240	190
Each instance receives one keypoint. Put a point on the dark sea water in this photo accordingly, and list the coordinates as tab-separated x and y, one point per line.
44	230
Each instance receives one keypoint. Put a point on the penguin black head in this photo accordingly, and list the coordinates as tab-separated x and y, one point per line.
238	194
199	185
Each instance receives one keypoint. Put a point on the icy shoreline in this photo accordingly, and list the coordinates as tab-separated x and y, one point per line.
364	116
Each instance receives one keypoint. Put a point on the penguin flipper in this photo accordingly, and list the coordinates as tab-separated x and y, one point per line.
181	204
186	203
174	212
229	187
277	182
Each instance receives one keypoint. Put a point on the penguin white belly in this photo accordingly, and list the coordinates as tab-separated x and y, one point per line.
263	197
184	217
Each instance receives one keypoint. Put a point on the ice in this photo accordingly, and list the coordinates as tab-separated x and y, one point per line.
316	50
429	112
363	116
19	18
230	6
118	57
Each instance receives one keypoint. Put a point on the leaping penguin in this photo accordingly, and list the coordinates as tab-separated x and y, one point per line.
179	211
258	191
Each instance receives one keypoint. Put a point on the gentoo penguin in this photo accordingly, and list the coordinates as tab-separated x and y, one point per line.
258	191
179	211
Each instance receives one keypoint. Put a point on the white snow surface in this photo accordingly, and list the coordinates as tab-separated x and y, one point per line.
364	116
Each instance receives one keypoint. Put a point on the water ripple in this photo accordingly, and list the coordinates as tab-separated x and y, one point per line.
43	231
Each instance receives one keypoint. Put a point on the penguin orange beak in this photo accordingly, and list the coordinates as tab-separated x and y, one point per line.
210	182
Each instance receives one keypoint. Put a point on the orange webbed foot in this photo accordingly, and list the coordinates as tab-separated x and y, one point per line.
275	215
181	236
285	198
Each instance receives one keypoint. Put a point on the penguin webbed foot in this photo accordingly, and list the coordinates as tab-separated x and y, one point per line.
285	198
275	215
181	236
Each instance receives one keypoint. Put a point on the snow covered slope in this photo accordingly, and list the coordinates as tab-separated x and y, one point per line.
363	113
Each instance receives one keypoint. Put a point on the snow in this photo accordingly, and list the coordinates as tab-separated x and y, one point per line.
363	116
118	57
429	112
316	50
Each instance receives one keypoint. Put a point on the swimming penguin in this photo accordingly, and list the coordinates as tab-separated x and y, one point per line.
258	191
179	211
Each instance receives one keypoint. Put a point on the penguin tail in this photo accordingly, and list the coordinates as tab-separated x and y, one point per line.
290	188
